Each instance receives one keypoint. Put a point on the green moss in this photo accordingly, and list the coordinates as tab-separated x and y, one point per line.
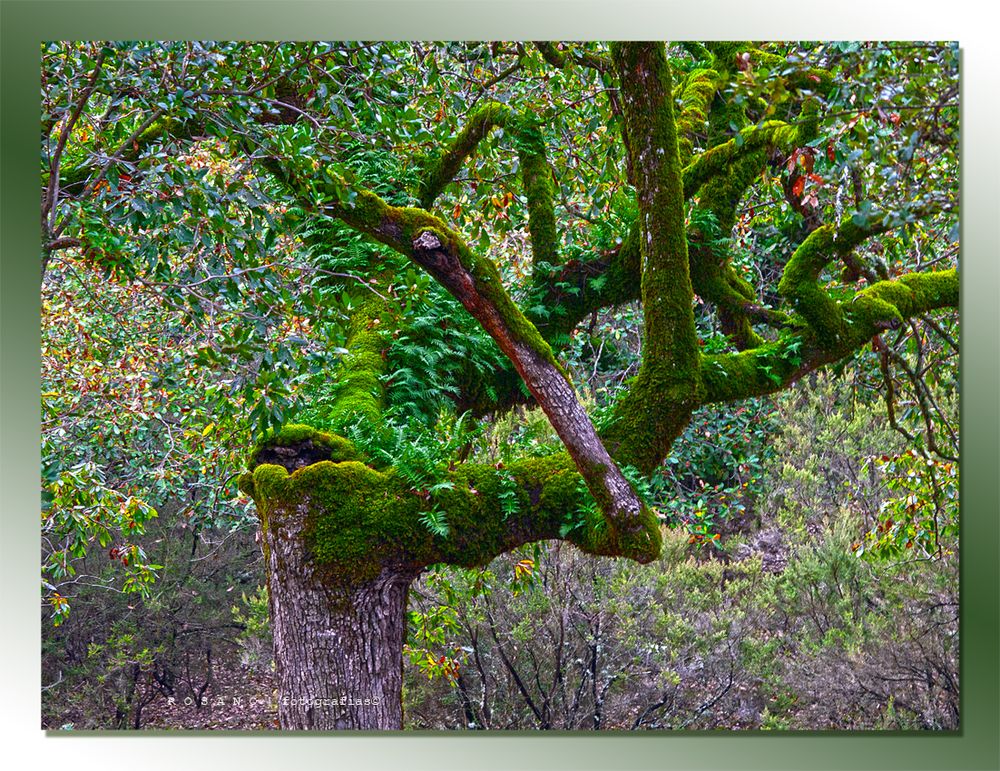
538	185
621	273
712	274
918	292
653	413
400	227
799	284
644	542
293	434
698	51
724	59
770	367
551	54
359	520
360	391
698	90
724	53
883	303
717	161
887	303
652	132
765	369
244	483
268	482
808	123
660	399
536	174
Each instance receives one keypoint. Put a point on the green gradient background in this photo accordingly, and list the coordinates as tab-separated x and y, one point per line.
25	24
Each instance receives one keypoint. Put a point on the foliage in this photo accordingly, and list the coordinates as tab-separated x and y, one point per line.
94	668
921	515
227	226
420	455
255	638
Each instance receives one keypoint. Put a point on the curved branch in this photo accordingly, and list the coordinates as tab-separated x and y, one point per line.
607	280
774	366
717	161
800	278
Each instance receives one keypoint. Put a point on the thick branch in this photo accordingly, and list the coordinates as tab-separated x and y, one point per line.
660	400
607	280
360	519
360	388
800	279
719	159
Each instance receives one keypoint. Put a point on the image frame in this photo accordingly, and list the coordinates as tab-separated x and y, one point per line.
25	24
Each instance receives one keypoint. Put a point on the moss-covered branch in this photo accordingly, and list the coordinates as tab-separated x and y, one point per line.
800	278
718	160
712	272
361	520
440	170
697	92
660	400
772	367
360	389
152	130
721	176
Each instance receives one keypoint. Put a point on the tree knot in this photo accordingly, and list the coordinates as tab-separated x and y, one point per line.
427	241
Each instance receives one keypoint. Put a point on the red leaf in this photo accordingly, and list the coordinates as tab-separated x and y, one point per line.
798	187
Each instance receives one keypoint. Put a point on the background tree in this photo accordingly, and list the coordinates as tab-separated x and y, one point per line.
289	202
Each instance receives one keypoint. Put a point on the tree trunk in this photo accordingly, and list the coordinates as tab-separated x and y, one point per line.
338	645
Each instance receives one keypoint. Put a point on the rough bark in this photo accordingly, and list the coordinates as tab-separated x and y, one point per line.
338	646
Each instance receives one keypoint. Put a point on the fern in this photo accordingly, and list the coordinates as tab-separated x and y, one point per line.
419	454
507	495
705	222
434	520
440	348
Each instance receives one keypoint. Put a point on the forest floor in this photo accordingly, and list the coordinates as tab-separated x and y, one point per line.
236	700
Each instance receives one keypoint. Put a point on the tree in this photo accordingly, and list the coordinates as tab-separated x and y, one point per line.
284	197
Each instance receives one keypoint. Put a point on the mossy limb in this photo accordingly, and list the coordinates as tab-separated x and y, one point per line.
359	520
698	90
660	399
